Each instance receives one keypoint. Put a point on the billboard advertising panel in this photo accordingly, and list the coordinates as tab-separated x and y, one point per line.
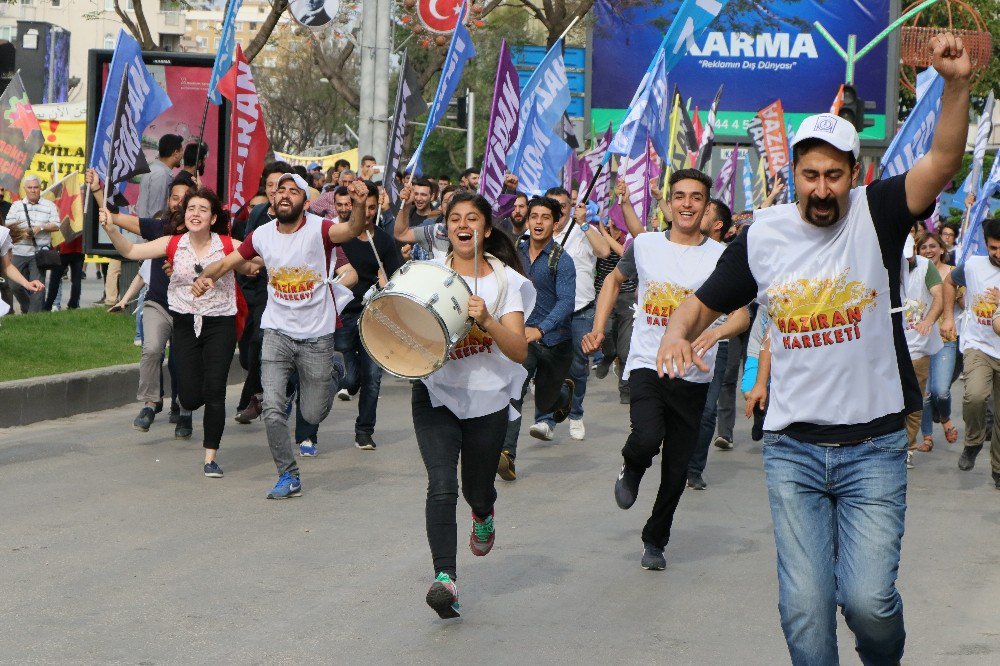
788	60
185	79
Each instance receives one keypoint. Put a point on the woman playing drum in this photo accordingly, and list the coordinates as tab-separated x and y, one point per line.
461	410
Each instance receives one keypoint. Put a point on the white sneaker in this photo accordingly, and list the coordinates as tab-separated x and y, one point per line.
344	394
576	429
909	460
542	431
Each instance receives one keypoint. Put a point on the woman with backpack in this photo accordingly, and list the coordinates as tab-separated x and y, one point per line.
204	334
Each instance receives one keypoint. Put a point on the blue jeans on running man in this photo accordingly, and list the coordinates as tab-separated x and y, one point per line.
581	324
838	515
937	402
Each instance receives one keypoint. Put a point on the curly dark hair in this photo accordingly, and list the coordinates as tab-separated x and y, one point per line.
221	224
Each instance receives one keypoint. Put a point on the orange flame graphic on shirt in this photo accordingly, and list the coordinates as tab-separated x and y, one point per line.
293	283
812	304
661	299
984	305
476	342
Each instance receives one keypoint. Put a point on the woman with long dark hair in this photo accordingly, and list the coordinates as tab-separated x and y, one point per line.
204	332
461	410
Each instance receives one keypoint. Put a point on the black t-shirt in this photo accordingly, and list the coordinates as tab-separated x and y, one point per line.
254	288
359	253
151	228
732	286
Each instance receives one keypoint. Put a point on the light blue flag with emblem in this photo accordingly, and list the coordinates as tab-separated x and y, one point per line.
914	137
224	56
539	156
973	242
748	183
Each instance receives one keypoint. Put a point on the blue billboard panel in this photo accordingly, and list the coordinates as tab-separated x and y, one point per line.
787	59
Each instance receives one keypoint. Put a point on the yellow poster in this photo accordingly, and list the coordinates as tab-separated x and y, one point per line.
62	152
325	161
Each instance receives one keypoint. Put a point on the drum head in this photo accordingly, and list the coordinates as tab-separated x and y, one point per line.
403	336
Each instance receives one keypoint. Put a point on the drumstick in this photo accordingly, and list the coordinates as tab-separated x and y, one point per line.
475	264
378	259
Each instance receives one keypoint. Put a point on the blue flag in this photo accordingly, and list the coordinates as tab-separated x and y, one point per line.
748	184
539	156
459	52
224	56
150	102
549	87
648	116
914	137
973	242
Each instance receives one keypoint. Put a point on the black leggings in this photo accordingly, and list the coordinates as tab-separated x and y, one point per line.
202	365
251	345
442	438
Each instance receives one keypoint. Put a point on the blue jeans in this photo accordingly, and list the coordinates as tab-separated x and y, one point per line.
937	404
707	430
838	516
363	374
138	315
581	324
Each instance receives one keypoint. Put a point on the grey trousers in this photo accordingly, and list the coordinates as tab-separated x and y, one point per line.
727	392
29	269
320	369
157	326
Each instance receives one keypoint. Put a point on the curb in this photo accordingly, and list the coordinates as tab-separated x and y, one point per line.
27	401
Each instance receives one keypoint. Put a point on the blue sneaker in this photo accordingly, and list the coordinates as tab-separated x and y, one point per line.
213	470
287	486
307	449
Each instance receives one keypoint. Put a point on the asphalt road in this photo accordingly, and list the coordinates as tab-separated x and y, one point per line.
116	549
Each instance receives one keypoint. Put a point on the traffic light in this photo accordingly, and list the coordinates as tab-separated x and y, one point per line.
458	111
853	108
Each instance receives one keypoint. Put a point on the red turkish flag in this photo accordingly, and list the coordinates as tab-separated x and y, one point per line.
248	141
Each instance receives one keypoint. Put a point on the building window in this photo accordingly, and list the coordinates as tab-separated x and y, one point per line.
30	39
201	43
109	41
56	3
8	32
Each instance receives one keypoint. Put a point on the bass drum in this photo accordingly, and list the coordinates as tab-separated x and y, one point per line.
411	325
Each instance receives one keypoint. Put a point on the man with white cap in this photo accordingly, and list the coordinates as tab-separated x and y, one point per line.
827	269
301	316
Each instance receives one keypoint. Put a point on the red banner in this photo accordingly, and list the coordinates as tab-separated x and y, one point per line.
775	138
248	144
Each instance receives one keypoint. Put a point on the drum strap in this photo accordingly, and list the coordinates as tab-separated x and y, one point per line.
500	270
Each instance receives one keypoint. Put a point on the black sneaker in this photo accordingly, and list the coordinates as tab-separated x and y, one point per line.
627	487
561	413
968	458
505	469
145	419
601	369
213	471
183	430
652	558
695	481
364	441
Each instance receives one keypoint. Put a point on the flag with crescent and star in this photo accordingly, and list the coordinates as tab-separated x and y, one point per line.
20	135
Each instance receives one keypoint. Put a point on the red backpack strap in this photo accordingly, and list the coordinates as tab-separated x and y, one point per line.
172	246
227	243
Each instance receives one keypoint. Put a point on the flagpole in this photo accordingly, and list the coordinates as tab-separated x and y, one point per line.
568	28
586	196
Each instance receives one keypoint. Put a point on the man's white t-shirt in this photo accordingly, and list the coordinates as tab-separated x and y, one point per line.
585	262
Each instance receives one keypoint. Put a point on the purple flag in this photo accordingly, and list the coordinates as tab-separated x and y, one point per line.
503	127
638	173
725	182
587	166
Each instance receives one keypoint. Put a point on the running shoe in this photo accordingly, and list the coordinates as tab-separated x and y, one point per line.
695	481
212	470
145	419
288	485
627	488
968	458
252	411
343	394
577	430
364	441
483	535
307	449
506	467
183	429
723	443
561	413
542	431
652	558
443	596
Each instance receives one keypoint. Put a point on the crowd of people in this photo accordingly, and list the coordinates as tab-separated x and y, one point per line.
847	320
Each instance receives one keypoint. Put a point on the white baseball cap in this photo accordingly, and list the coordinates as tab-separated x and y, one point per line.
300	182
830	128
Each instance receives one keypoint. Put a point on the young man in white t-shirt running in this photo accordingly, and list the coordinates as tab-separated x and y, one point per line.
665	413
300	318
827	268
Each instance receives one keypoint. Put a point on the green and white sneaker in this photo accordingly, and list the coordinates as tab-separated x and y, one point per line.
443	596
